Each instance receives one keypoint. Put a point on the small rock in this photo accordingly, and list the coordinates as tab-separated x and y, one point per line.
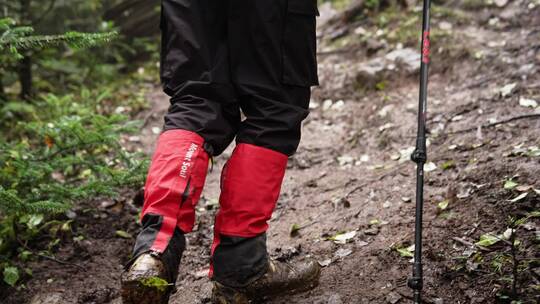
70	214
438	301
430	167
345	160
107	204
371	231
201	273
501	3
393	297
507	89
51	298
361	243
325	262
528	103
334	299
327	104
445	25
407	57
360	31
134	139
338	105
385	110
342	252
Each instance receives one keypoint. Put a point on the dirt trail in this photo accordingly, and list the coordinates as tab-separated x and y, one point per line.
351	174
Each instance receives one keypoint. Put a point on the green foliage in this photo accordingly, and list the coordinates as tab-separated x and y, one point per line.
60	152
57	150
155	282
18	38
11	275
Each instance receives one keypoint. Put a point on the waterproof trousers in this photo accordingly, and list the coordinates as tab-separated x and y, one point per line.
221	59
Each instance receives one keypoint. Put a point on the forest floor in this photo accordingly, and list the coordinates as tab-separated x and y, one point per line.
352	174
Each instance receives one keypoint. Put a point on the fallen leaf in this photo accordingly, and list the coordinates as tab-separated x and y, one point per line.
448	165
342	238
487	240
11	275
519	197
443	205
510	184
295	228
524	188
123	234
406	252
374	222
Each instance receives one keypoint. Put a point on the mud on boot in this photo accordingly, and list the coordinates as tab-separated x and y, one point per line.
279	279
147	281
150	277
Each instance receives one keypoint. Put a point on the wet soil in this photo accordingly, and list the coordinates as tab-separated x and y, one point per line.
347	176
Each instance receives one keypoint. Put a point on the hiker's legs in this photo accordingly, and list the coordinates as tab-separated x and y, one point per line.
272	45
195	127
202	120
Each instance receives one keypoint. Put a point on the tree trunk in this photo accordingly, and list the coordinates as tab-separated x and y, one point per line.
25	65
25	77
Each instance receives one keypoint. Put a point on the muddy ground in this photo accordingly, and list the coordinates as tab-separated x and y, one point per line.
351	173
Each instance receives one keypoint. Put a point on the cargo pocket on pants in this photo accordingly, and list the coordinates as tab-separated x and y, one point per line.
299	49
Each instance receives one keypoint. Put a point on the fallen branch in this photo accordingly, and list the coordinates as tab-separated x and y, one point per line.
51	258
494	124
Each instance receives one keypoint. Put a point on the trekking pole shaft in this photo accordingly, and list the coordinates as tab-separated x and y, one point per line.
419	156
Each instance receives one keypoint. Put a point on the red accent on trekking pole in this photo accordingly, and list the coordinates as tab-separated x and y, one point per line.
426	45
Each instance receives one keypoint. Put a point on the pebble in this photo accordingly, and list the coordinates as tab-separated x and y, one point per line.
334	299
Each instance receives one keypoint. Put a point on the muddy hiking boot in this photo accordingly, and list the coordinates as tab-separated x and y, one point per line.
150	277
147	281
279	279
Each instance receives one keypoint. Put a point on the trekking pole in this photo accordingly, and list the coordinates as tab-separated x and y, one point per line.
419	156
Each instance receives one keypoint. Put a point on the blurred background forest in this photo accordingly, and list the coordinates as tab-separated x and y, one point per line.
81	105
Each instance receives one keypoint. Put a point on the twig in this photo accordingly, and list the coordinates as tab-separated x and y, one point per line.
59	261
494	124
50	257
515	261
146	119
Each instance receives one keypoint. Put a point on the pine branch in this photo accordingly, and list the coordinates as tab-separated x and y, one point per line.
10	203
73	39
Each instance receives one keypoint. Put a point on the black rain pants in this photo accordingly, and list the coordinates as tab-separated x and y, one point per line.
222	56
